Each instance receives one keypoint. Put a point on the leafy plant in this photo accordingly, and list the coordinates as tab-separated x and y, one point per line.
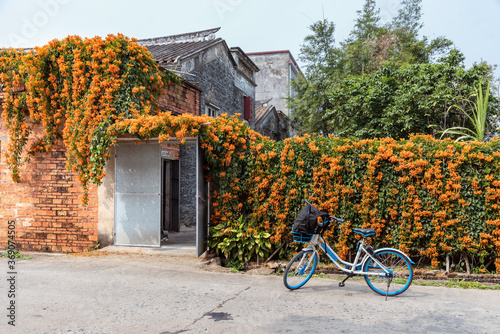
478	118
94	247
14	253
235	265
76	89
240	243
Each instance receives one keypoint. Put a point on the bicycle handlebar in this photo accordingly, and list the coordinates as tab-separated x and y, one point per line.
339	220
322	226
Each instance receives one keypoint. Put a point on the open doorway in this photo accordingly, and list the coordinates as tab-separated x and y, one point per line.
178	221
170	197
159	187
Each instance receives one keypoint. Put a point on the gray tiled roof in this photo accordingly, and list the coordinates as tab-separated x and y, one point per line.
169	53
169	49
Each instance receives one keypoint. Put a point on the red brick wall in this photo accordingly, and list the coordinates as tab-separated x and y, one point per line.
47	204
181	99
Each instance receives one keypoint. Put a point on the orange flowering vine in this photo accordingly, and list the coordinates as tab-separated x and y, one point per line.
76	89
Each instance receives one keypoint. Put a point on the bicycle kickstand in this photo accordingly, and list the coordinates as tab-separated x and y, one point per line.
342	284
388	285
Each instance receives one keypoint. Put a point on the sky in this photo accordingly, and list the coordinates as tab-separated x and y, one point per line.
252	25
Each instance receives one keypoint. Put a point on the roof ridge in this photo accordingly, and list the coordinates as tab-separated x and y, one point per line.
196	36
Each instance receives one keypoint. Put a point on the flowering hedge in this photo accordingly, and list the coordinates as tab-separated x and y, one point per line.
425	196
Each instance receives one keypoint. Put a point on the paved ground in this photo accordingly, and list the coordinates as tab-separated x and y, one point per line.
172	292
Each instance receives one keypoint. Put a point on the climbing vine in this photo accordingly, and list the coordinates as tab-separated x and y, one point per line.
76	89
427	197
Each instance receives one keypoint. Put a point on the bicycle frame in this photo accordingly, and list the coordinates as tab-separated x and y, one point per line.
355	268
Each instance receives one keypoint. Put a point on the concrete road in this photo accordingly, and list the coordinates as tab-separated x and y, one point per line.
172	293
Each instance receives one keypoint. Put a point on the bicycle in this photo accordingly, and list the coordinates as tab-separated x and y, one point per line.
387	271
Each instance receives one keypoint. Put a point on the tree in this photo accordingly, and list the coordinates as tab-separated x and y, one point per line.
367	22
318	51
370	48
322	59
361	46
406	26
398	101
407	23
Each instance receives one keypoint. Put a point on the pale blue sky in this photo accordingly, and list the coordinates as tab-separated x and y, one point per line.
253	25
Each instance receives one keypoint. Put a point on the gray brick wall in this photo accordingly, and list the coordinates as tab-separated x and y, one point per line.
187	170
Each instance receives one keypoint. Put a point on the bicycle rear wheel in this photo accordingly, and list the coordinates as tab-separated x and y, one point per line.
300	269
400	267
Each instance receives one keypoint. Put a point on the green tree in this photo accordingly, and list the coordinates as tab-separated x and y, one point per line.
322	61
377	52
407	23
361	48
318	51
397	101
367	23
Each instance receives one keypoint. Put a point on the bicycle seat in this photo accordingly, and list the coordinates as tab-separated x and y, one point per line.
365	232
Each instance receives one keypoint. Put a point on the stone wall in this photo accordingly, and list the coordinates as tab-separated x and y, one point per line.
217	76
274	125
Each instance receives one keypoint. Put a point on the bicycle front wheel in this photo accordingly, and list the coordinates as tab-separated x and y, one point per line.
394	283
300	269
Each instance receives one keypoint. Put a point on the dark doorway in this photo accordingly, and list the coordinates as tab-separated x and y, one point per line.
170	196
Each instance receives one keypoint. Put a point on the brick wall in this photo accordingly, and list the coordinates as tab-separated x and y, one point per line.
181	99
47	204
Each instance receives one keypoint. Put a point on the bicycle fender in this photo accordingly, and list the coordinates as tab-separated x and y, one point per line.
395	250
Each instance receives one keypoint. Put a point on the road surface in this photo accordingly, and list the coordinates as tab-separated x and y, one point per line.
169	293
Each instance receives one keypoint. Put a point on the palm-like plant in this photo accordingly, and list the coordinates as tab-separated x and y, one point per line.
478	119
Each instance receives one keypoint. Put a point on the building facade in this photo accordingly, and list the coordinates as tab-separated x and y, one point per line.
226	77
277	70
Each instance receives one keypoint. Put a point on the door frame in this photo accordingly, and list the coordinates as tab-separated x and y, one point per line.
202	197
202	202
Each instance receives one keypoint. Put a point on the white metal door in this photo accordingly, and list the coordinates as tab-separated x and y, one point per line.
137	194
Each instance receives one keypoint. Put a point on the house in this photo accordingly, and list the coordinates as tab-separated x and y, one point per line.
277	71
226	76
271	123
150	189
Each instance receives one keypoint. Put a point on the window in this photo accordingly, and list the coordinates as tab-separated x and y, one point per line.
212	110
247	108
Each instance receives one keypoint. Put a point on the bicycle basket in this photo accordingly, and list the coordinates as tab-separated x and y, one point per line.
302	237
